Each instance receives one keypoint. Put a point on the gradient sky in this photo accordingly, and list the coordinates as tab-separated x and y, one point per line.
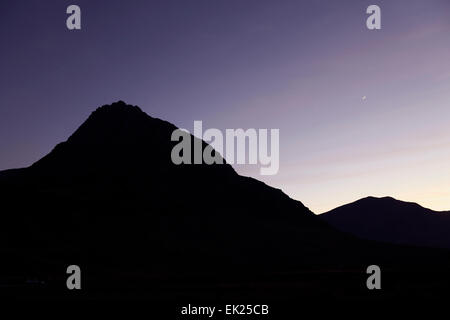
300	66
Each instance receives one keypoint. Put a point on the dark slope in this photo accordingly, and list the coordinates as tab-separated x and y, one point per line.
390	220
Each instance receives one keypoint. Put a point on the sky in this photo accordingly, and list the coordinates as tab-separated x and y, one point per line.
360	112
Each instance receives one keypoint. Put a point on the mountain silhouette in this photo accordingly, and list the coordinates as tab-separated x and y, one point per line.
110	200
389	220
111	190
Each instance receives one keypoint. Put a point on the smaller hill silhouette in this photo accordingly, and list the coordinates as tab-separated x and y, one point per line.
389	220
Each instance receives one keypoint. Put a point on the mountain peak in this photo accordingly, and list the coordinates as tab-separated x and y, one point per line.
390	220
117	138
384	201
378	198
117	107
116	116
114	135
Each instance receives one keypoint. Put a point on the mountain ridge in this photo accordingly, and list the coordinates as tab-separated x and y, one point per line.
110	199
388	198
390	220
118	163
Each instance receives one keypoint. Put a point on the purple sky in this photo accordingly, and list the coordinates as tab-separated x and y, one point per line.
300	66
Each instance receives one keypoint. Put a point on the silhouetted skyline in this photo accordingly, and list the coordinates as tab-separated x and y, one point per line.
360	112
